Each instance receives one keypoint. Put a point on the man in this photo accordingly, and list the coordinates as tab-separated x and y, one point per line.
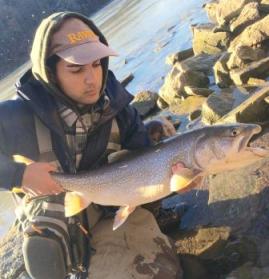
70	115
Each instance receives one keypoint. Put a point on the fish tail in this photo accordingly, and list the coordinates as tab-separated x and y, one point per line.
74	203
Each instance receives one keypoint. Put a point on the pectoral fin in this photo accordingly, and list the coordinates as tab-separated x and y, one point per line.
181	178
121	216
75	202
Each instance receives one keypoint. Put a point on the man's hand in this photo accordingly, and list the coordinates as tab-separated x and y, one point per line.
160	128
37	180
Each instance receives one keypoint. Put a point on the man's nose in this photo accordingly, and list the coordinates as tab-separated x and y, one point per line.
89	76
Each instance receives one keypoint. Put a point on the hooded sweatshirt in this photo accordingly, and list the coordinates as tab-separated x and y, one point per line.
39	98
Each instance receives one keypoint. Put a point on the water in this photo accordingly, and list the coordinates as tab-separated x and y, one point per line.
143	32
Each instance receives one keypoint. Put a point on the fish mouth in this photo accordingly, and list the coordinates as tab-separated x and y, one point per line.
260	151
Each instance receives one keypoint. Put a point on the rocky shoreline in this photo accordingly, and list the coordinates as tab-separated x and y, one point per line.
222	79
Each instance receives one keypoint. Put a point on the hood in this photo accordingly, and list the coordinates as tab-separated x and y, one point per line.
39	54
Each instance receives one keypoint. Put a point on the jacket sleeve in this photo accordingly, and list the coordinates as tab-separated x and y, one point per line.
133	132
11	173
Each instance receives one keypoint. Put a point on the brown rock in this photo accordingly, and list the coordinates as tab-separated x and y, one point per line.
205	40
258	69
179	56
248	15
190	90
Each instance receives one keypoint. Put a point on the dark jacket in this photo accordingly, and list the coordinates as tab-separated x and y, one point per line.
18	135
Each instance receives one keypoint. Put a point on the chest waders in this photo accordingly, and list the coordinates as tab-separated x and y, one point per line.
54	246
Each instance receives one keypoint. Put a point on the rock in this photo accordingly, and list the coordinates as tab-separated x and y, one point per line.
243	55
248	15
259	69
249	271
190	90
179	56
205	40
127	79
211	9
145	102
161	103
195	114
203	240
12	264
176	80
253	36
257	82
228	9
221	71
254	109
202	63
216	106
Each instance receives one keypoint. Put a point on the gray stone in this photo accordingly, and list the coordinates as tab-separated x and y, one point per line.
228	9
145	102
216	106
190	90
248	15
253	36
205	40
195	114
221	71
258	69
161	103
243	55
202	63
179	56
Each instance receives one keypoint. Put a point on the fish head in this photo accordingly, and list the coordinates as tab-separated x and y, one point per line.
226	147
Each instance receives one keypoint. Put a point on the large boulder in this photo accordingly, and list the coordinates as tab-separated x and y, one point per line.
259	69
248	15
253	36
179	56
206	40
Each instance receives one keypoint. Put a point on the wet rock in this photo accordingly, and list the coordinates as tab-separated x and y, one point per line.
221	71
216	106
248	15
195	114
179	56
127	79
243	55
205	40
253	36
145	102
259	69
228	9
192	91
202	63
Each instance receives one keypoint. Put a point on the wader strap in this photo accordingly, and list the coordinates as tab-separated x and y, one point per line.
46	153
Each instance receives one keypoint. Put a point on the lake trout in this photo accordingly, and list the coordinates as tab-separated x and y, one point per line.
152	174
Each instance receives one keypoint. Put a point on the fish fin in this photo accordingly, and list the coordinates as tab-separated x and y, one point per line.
181	177
22	159
196	182
121	215
74	202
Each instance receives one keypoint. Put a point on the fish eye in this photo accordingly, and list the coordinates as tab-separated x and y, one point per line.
234	132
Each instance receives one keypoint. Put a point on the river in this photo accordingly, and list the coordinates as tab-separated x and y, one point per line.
143	32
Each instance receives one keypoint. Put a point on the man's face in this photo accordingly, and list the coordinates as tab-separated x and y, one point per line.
82	83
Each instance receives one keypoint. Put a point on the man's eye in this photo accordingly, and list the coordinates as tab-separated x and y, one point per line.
97	63
76	70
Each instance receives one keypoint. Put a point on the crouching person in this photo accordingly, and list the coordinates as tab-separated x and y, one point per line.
70	114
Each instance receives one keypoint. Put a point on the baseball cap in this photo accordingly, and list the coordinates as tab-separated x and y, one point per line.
76	43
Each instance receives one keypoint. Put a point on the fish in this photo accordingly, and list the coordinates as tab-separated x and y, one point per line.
155	172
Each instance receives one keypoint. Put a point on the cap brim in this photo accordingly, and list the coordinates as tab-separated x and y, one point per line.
86	53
